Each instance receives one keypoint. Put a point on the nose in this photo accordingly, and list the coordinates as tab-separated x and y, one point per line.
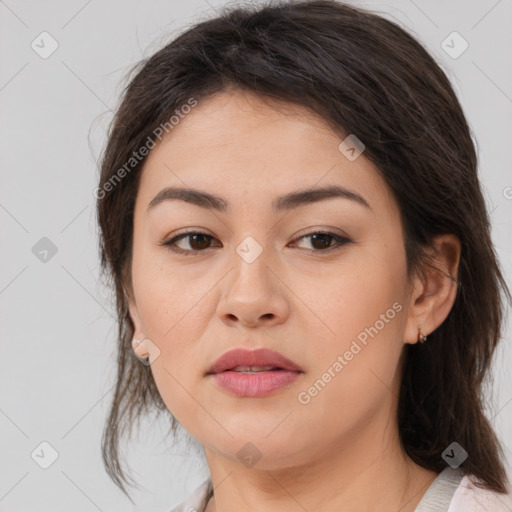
253	294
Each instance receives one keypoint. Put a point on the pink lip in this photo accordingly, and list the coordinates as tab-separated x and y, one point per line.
255	384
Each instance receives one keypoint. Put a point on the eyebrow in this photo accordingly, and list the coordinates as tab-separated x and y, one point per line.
287	202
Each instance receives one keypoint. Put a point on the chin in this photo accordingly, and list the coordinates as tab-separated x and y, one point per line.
258	450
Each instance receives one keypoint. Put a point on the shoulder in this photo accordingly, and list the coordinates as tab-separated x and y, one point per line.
468	497
193	503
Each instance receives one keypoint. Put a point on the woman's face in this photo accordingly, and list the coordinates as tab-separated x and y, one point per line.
337	307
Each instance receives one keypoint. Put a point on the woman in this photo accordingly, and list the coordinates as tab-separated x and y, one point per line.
341	375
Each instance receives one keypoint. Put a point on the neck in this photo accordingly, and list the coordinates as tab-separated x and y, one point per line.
368	472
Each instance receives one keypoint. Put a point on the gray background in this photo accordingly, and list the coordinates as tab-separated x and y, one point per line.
57	326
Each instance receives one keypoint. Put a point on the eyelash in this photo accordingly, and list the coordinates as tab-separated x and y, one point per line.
341	241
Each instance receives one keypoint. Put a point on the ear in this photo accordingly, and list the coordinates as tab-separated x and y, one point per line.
434	292
139	344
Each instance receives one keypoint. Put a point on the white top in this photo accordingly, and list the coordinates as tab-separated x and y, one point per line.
451	491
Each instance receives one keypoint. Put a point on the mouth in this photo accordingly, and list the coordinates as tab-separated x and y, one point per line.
255	369
253	373
257	360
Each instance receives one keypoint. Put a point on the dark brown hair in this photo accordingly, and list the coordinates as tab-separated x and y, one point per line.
363	75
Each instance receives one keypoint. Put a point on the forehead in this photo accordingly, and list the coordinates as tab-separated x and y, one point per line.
239	145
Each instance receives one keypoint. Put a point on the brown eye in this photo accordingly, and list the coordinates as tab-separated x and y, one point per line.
201	242
322	242
197	242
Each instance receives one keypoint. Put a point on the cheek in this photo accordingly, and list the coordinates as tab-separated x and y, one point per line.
174	310
173	322
363	310
168	299
353	295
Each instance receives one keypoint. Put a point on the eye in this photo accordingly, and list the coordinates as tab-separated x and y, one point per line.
200	242
321	241
197	241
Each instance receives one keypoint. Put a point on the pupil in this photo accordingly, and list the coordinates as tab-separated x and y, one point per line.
320	236
201	246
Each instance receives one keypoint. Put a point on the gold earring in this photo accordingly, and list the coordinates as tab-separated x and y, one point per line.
135	345
421	337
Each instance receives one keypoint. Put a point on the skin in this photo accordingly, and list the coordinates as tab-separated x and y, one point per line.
343	446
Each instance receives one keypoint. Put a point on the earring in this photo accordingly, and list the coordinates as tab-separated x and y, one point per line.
135	344
421	337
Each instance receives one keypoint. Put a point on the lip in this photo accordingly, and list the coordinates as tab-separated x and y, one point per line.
256	384
257	357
